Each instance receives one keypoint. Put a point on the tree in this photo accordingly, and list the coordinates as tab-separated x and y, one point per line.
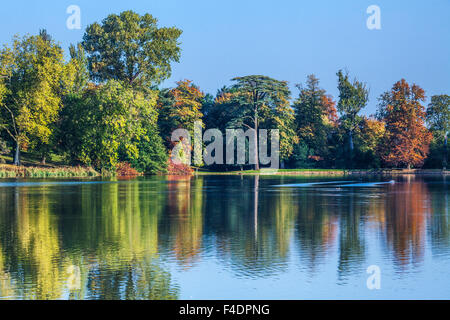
255	96
219	113
368	140
35	68
77	69
407	139
282	117
353	97
107	123
438	118
3	90
179	107
153	155
131	48
315	113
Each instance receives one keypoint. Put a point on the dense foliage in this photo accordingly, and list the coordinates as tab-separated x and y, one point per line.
103	107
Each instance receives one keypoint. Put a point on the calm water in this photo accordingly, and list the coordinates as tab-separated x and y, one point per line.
224	238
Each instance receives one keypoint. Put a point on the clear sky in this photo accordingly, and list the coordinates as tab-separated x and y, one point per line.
284	39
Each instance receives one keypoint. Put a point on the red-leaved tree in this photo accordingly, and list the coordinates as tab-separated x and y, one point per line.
407	140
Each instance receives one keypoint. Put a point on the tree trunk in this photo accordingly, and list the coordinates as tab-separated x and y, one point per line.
17	155
409	166
351	149
444	162
256	142
43	160
351	141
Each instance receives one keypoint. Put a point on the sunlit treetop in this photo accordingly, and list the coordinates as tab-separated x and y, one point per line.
131	48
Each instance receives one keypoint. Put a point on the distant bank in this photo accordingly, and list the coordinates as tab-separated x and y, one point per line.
10	171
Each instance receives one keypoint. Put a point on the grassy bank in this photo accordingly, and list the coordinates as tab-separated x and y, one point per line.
10	171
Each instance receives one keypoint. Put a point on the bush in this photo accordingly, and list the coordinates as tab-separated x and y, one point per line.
179	169
153	155
124	169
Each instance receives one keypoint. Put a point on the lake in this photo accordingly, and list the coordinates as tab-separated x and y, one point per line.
225	237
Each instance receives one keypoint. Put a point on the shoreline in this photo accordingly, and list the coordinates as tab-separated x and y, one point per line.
330	172
30	172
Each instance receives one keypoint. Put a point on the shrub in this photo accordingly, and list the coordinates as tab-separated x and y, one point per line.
179	169
124	169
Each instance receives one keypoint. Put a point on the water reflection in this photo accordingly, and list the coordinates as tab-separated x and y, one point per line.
137	239
406	213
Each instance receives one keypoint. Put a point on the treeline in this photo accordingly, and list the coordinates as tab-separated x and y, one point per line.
103	107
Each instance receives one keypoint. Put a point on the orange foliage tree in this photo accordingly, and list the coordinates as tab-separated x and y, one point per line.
407	140
330	111
180	107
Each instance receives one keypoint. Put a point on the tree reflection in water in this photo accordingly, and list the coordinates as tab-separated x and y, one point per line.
118	240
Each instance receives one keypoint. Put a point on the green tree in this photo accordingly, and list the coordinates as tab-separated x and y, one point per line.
34	67
153	155
219	112
438	118
131	48
313	111
353	97
256	95
77	69
104	120
281	116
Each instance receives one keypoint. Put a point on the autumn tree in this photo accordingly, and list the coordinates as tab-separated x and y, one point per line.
179	107
353	97
438	118
407	139
34	66
132	48
368	140
329	105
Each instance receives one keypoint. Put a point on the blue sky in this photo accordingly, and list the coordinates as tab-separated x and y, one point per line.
284	39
